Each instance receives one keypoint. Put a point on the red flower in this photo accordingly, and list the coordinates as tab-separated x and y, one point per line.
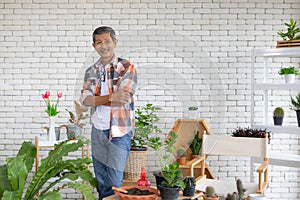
51	110
59	95
46	95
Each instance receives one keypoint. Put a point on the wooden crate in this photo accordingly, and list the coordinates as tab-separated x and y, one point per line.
288	43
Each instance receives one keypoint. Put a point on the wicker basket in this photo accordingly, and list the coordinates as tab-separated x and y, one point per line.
136	160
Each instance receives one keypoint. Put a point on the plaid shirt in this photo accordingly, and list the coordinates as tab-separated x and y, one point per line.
120	76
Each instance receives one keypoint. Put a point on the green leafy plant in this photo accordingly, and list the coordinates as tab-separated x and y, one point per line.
14	174
169	170
288	70
292	30
278	112
196	144
193	108
295	103
145	121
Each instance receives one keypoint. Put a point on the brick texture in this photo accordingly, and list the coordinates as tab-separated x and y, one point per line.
187	53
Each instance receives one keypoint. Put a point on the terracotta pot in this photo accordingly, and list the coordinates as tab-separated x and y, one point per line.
137	197
211	198
181	160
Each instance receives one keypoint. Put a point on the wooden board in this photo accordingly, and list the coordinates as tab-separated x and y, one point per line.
288	43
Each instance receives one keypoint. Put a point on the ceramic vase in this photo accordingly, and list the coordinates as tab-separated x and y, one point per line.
51	133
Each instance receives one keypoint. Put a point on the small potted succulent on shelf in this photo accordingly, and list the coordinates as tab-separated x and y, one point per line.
190	185
181	155
196	145
210	194
278	115
289	73
296	107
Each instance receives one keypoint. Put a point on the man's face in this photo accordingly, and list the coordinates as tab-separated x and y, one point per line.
104	45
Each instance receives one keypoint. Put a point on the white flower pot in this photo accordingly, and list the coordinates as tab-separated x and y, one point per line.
51	132
289	78
257	197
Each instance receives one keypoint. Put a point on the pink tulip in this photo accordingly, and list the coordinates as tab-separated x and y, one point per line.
46	95
59	95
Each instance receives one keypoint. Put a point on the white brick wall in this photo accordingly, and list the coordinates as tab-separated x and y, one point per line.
187	52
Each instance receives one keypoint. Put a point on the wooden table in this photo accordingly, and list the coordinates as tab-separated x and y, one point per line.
197	195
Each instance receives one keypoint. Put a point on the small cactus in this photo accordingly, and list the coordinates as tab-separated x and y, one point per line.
210	191
278	112
240	189
233	196
181	152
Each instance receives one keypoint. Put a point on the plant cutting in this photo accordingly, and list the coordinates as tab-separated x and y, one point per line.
289	73
278	115
196	144
14	174
296	107
51	110
74	128
210	194
190	184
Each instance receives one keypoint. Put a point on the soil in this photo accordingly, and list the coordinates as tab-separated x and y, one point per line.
137	191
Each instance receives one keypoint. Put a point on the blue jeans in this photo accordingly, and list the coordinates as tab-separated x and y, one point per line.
109	159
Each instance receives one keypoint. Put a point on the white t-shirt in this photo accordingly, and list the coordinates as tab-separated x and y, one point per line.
101	118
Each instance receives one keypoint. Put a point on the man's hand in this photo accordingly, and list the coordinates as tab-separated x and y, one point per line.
119	98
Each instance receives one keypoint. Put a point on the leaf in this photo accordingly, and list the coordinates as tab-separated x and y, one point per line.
4	182
11	195
29	150
50	196
84	189
48	167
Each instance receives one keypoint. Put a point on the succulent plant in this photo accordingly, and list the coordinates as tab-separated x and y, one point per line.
210	191
295	103
233	196
189	181
278	112
240	194
292	31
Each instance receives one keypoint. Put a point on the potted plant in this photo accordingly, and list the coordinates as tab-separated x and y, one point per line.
190	184
181	155
296	107
240	194
14	174
196	145
145	124
74	128
278	115
172	177
251	132
289	73
210	194
290	36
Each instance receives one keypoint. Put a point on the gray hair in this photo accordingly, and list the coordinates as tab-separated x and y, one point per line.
102	30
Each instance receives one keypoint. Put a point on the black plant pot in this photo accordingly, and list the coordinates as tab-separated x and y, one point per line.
158	177
168	193
298	117
189	190
278	121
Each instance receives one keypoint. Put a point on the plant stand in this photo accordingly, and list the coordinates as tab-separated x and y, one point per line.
288	43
